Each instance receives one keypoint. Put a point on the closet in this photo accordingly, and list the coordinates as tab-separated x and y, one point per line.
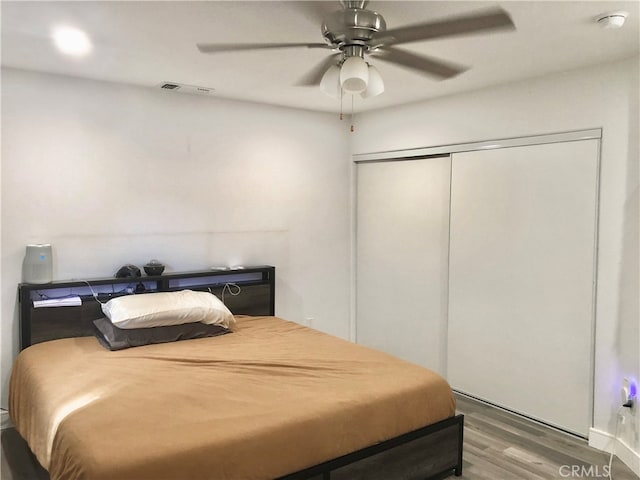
481	264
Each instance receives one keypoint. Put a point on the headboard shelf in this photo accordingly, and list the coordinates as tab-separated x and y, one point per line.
257	297
160	279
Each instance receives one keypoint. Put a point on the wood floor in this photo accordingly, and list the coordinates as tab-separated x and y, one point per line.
497	446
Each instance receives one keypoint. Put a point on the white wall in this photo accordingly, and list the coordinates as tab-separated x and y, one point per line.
604	96
113	174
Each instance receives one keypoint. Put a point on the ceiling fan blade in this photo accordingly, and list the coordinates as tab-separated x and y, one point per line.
494	19
422	64
314	76
234	47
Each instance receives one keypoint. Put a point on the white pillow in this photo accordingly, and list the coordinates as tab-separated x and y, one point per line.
167	308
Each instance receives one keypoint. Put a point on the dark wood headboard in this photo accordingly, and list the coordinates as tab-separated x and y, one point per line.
256	297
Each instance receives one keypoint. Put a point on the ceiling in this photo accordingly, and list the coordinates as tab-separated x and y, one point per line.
147	43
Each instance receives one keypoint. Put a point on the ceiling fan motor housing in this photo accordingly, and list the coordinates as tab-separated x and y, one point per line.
352	26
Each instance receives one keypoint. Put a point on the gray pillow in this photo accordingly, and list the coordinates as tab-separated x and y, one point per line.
115	338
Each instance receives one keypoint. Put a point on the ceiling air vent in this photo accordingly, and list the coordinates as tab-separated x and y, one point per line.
182	88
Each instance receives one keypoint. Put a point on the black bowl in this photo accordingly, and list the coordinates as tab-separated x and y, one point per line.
152	270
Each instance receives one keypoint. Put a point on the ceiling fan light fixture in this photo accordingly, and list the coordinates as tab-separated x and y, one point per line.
354	75
330	83
375	85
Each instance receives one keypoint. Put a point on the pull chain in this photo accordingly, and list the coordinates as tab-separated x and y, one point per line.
353	128
341	97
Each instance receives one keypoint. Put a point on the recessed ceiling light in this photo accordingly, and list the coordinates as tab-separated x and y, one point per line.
72	41
612	20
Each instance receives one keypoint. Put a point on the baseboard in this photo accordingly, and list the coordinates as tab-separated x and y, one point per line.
604	441
5	421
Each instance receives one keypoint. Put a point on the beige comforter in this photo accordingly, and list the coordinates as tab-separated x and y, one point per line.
269	399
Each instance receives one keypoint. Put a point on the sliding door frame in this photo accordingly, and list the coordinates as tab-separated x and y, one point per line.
446	150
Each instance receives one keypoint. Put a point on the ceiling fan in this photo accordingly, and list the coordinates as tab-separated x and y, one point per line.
355	31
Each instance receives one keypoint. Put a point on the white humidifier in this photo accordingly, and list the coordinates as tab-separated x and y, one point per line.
38	264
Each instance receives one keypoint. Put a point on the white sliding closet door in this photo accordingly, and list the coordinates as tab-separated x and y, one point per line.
521	279
402	250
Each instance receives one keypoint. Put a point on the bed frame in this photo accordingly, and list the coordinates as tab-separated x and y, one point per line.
432	452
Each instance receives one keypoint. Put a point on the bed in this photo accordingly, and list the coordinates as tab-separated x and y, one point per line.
273	399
